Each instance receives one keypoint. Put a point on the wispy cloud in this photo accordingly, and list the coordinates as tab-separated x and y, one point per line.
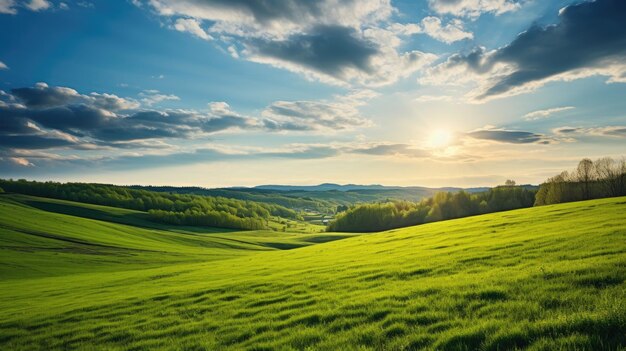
473	8
192	26
539	114
153	97
608	131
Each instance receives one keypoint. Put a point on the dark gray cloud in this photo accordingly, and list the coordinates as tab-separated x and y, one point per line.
42	96
33	142
509	136
31	114
587	35
264	11
70	118
615	131
56	117
337	42
274	15
330	50
608	131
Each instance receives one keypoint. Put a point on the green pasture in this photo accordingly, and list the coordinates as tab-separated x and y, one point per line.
96	278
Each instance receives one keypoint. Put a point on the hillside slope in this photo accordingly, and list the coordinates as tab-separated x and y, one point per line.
42	237
544	278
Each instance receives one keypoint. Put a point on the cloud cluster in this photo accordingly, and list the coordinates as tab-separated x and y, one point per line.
589	39
337	42
340	114
11	7
44	117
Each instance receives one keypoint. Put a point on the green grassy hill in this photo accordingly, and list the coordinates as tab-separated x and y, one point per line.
544	278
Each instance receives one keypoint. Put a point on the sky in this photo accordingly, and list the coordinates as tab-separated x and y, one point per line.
219	93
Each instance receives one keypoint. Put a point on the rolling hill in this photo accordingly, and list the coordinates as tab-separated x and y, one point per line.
323	197
543	278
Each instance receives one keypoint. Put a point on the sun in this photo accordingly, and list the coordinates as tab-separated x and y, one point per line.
439	138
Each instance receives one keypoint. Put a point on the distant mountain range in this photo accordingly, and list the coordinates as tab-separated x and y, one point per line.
352	187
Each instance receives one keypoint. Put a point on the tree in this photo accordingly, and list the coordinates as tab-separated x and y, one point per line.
605	177
610	174
509	182
584	175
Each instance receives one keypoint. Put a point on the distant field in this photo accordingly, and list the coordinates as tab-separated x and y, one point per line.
78	276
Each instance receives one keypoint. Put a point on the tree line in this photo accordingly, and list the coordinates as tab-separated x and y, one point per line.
443	205
162	207
604	177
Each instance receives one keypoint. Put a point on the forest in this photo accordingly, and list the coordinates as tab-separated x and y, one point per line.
602	178
162	207
444	205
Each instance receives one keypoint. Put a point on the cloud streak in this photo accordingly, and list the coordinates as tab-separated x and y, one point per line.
510	136
473	8
540	114
608	131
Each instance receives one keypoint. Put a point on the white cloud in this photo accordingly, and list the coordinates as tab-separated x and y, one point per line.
473	8
539	114
8	7
192	26
276	19
433	27
3	66
219	107
20	161
38	5
112	102
151	97
449	33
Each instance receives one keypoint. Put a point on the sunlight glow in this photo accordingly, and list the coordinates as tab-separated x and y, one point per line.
439	138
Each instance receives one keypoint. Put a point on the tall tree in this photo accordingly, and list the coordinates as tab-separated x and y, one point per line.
585	175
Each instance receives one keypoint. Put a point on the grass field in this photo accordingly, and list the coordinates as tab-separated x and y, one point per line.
544	278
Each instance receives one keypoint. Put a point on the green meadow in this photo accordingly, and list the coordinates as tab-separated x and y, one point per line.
76	276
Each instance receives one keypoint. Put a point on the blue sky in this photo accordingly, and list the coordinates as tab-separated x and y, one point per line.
222	93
